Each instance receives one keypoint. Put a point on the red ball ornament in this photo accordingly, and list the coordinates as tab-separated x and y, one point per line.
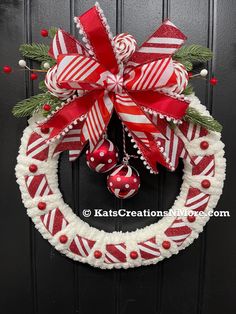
97	254
33	168
205	184
204	145
47	107
166	245
33	76
44	32
7	69
191	218
63	239
133	255
44	130
103	158
124	181
42	205
213	81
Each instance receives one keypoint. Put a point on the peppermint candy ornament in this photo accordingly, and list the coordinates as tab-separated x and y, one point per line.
124	181
125	46
103	158
53	87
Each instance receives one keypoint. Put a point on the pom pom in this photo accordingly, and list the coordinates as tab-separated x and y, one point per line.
44	32
204	72
22	63
213	81
7	69
46	65
33	76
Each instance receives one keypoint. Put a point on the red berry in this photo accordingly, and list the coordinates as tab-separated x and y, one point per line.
42	205
206	184
133	255
191	218
7	69
213	81
63	238
204	145
190	74
97	254
44	32
33	76
166	245
47	107
44	130
33	168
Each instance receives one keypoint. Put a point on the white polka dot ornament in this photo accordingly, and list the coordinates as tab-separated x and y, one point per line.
103	158
124	181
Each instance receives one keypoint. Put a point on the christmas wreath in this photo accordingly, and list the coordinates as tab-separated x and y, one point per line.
148	88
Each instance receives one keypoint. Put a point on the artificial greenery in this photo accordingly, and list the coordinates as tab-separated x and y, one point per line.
192	54
36	52
34	104
42	86
207	122
188	90
52	31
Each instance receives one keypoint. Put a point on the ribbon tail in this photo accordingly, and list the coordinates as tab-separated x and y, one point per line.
143	132
68	115
171	145
97	119
166	105
71	142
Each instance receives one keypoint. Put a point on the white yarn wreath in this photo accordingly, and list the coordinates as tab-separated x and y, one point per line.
76	239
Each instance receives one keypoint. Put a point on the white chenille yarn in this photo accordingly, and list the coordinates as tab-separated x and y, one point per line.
53	87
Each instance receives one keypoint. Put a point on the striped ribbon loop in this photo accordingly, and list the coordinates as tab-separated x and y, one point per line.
163	43
131	89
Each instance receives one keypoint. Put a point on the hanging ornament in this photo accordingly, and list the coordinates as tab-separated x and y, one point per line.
124	181
104	157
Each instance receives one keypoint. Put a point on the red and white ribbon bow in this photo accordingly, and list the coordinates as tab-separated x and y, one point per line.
130	88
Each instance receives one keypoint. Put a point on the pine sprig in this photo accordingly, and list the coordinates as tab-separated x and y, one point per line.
34	104
207	122
37	52
188	90
193	53
52	31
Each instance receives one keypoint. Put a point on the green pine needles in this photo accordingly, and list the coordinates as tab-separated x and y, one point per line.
187	55
207	122
29	106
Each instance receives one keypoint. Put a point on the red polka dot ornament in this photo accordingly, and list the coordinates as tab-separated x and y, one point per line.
124	181
103	158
